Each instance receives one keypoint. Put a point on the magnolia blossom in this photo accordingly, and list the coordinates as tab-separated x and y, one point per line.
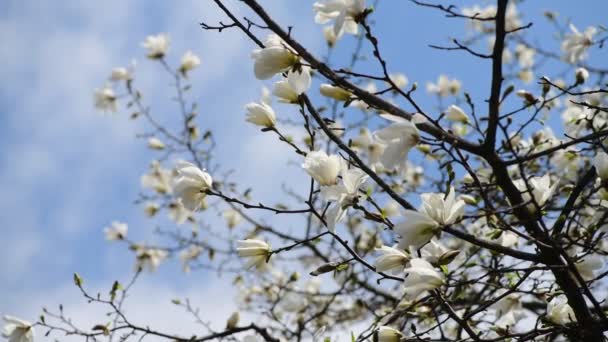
436	253
189	254
456	113
399	138
343	194
575	45
601	165
275	58
232	218
541	187
444	86
525	56
334	92
391	258
189	62
509	303
436	210
256	251
149	258
190	185
588	265
105	99
120	74
559	312
155	143
343	12
159	179
323	168
421	277
297	82
233	320
116	231
508	239
157	45
18	330
260	114
388	334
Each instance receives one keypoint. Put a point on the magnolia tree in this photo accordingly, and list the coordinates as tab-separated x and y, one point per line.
480	219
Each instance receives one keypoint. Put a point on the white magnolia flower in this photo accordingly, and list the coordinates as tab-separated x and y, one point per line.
116	231
256	250
601	165
575	45
149	258
421	277
388	334
18	330
190	184
436	210
399	138
588	265
296	83
157	45
189	62
232	217
416	230
343	195
510	303
435	252
542	190
323	168
525	56
444	86
275	58
105	99
266	96
188	255
260	114
391	258
343	12
159	179
456	113
334	92
233	320
508	239
155	143
120	74
559	312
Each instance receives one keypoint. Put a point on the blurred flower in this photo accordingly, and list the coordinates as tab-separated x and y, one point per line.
456	113
155	143
575	44
158	179
444	86
157	45
343	12
116	231
601	165
149	258
18	330
189	62
189	254
105	99
232	217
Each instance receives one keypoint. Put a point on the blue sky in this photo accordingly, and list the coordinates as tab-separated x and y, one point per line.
66	170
